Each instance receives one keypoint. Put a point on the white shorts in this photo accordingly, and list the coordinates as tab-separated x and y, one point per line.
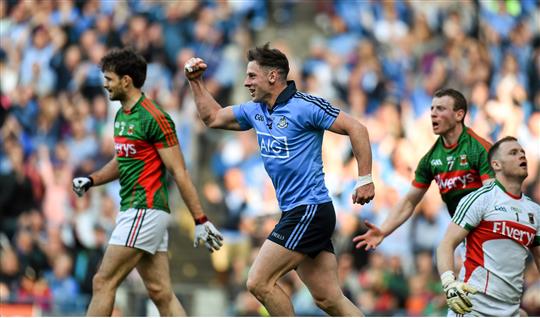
145	229
485	305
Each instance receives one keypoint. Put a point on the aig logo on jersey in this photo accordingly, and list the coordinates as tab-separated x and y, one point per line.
273	146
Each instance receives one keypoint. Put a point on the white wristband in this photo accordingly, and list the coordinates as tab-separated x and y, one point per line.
447	277
363	180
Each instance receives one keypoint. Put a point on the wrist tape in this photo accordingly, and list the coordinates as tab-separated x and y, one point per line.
363	180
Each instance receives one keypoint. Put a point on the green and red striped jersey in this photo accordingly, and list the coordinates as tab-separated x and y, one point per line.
138	134
457	170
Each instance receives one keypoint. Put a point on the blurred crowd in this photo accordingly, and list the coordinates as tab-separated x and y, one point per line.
380	61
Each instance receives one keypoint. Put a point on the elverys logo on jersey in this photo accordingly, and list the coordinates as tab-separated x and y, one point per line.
273	146
516	231
125	150
463	179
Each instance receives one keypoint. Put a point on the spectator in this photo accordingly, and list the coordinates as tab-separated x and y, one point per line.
64	288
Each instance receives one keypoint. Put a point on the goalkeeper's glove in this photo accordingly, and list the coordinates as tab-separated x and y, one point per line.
82	184
457	293
206	232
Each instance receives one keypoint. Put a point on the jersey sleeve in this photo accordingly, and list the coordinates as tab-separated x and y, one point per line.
241	112
423	174
470	210
481	146
161	130
321	113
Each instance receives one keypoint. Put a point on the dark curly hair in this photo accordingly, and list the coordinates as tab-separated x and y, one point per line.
125	62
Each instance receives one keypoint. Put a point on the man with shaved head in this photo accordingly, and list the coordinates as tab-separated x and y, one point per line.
500	225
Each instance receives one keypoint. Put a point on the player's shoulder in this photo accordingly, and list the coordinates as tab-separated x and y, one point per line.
248	106
476	140
434	151
311	102
532	204
307	98
487	191
152	110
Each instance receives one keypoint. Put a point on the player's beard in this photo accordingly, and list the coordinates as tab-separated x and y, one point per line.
117	95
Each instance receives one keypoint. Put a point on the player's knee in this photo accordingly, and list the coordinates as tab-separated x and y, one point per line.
327	302
159	295
257	287
99	283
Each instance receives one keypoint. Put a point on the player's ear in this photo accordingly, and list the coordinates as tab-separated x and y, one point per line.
460	114
126	81
496	165
272	76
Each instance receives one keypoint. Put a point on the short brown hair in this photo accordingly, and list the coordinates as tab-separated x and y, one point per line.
495	148
459	100
267	57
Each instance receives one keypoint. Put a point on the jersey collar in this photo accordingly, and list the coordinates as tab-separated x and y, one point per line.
286	94
508	193
136	106
461	136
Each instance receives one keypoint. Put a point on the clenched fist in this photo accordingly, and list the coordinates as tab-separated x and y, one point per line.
194	68
82	184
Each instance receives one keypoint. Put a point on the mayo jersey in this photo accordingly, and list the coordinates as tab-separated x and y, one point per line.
502	228
458	170
138	134
290	140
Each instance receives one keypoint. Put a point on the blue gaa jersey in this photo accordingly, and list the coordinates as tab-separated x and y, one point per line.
290	139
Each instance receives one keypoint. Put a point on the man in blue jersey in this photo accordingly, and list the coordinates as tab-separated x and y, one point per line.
290	127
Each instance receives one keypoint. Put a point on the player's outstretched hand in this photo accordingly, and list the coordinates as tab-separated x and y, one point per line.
364	194
457	293
194	68
371	239
82	184
207	233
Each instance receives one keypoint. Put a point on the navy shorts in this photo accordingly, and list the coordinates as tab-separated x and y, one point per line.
306	229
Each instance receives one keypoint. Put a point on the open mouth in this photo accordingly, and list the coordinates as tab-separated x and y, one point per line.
435	125
523	164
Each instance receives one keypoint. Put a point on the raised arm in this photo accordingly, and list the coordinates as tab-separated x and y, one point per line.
358	134
212	114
